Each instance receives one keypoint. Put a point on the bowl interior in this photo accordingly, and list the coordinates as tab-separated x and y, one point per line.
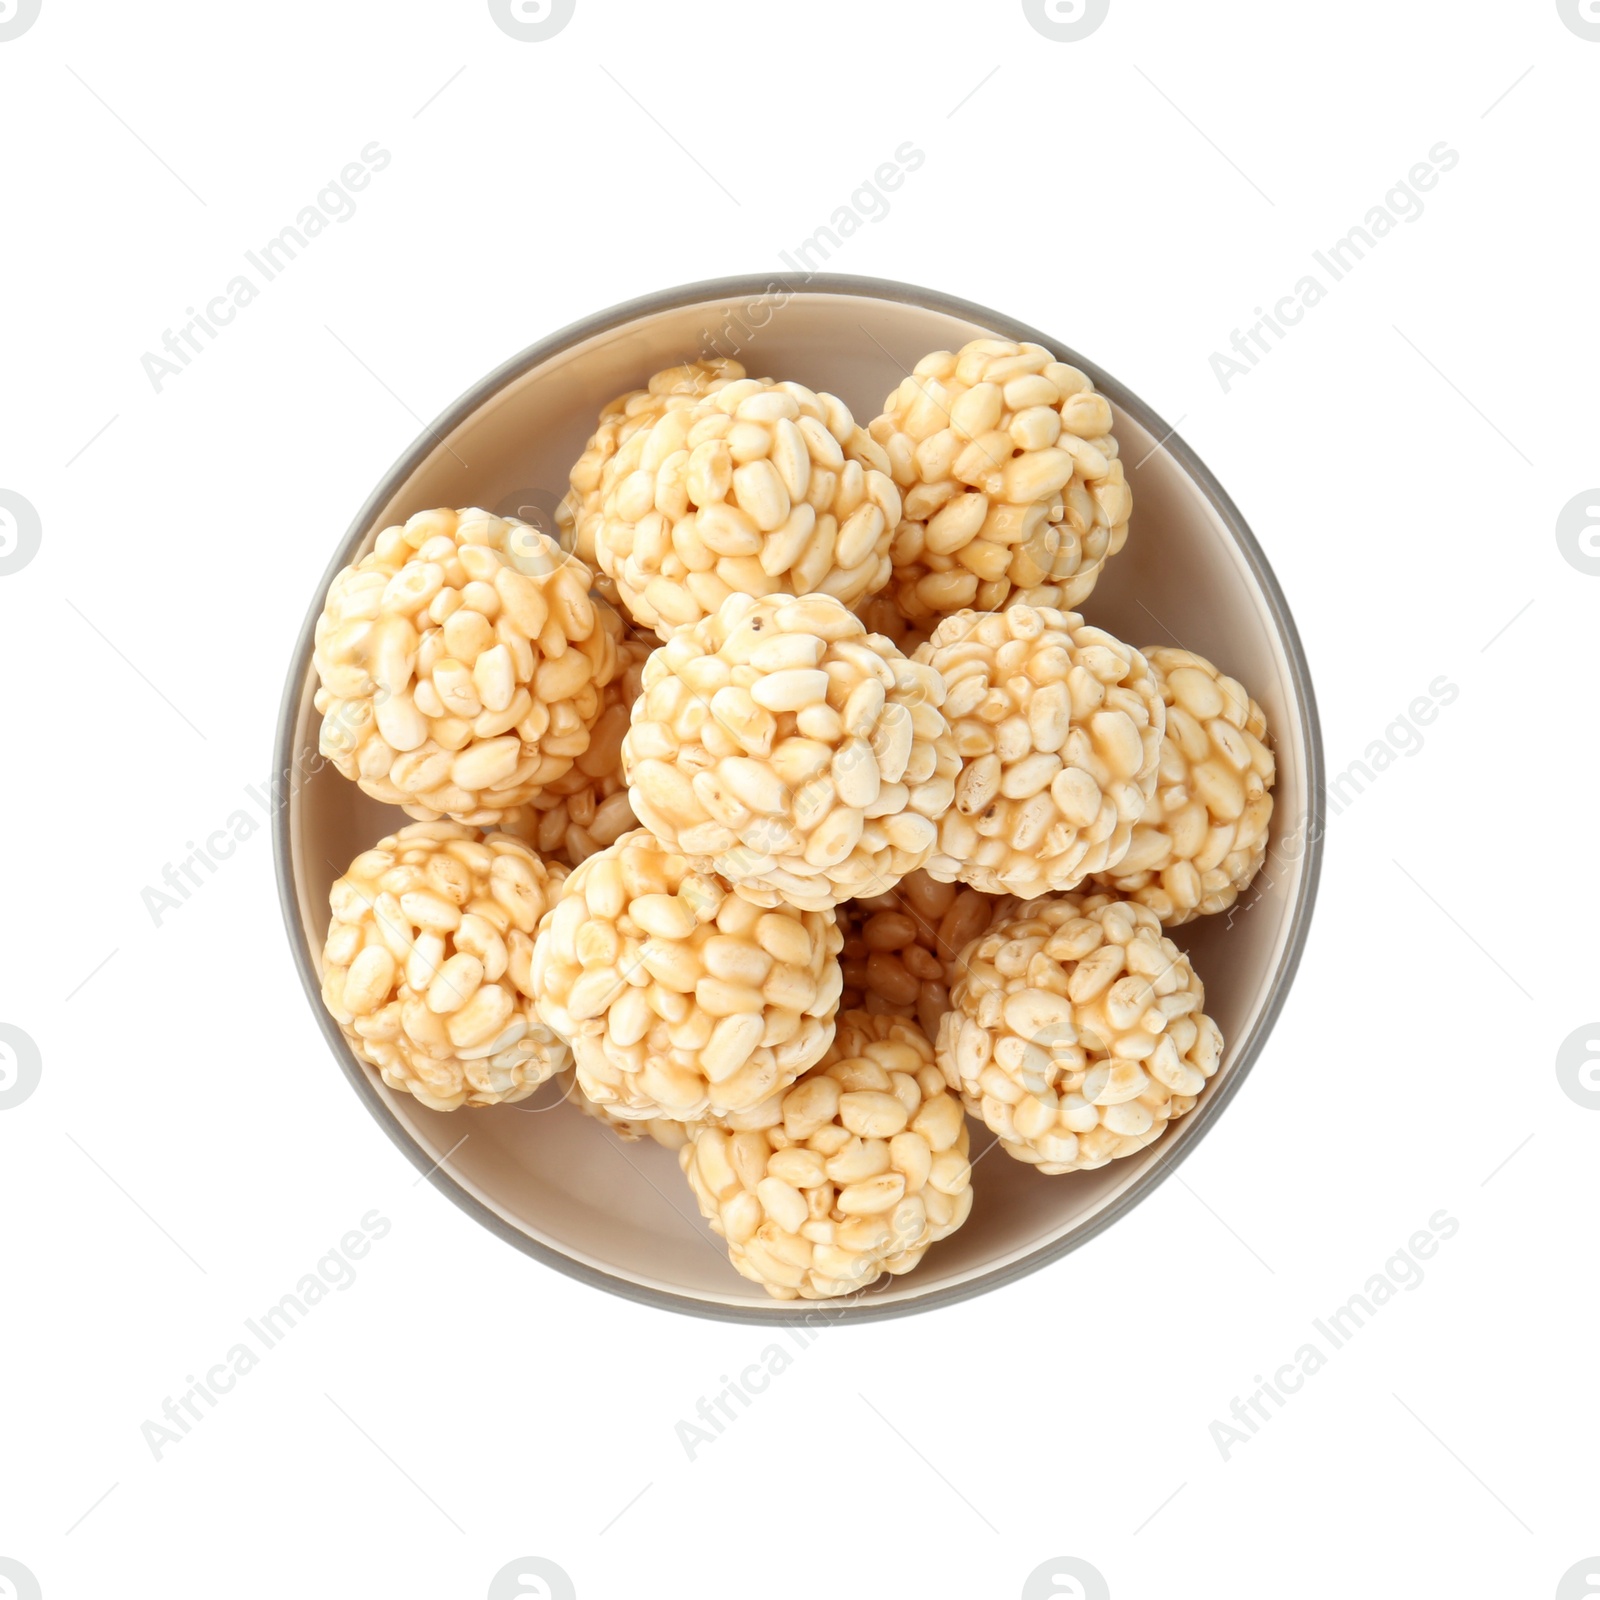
555	1177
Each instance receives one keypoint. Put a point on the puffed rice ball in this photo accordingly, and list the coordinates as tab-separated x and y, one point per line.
1203	837
1010	479
426	965
588	808
858	1168
678	997
461	665
579	512
784	747
1076	1032
667	1132
901	949
1058	727
760	488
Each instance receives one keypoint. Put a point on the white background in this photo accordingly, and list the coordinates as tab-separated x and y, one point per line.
192	1150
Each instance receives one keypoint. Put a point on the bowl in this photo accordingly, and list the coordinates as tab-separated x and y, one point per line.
557	1184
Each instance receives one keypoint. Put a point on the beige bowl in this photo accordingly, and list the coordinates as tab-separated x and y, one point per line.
558	1185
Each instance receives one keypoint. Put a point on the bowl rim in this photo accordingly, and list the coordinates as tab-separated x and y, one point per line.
858	1308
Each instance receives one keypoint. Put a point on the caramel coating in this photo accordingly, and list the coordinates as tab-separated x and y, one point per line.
1203	837
426	967
759	488
1076	1032
1011	483
461	665
588	808
678	997
784	747
579	514
850	1173
1058	726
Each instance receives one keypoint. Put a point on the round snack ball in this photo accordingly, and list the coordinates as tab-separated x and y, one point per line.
667	1132
461	665
901	949
587	808
426	965
1058	727
856	1170
784	747
760	488
1076	1032
1203	836
679	998
1010	479
579	512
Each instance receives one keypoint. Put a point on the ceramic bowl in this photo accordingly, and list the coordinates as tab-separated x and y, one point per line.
558	1185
